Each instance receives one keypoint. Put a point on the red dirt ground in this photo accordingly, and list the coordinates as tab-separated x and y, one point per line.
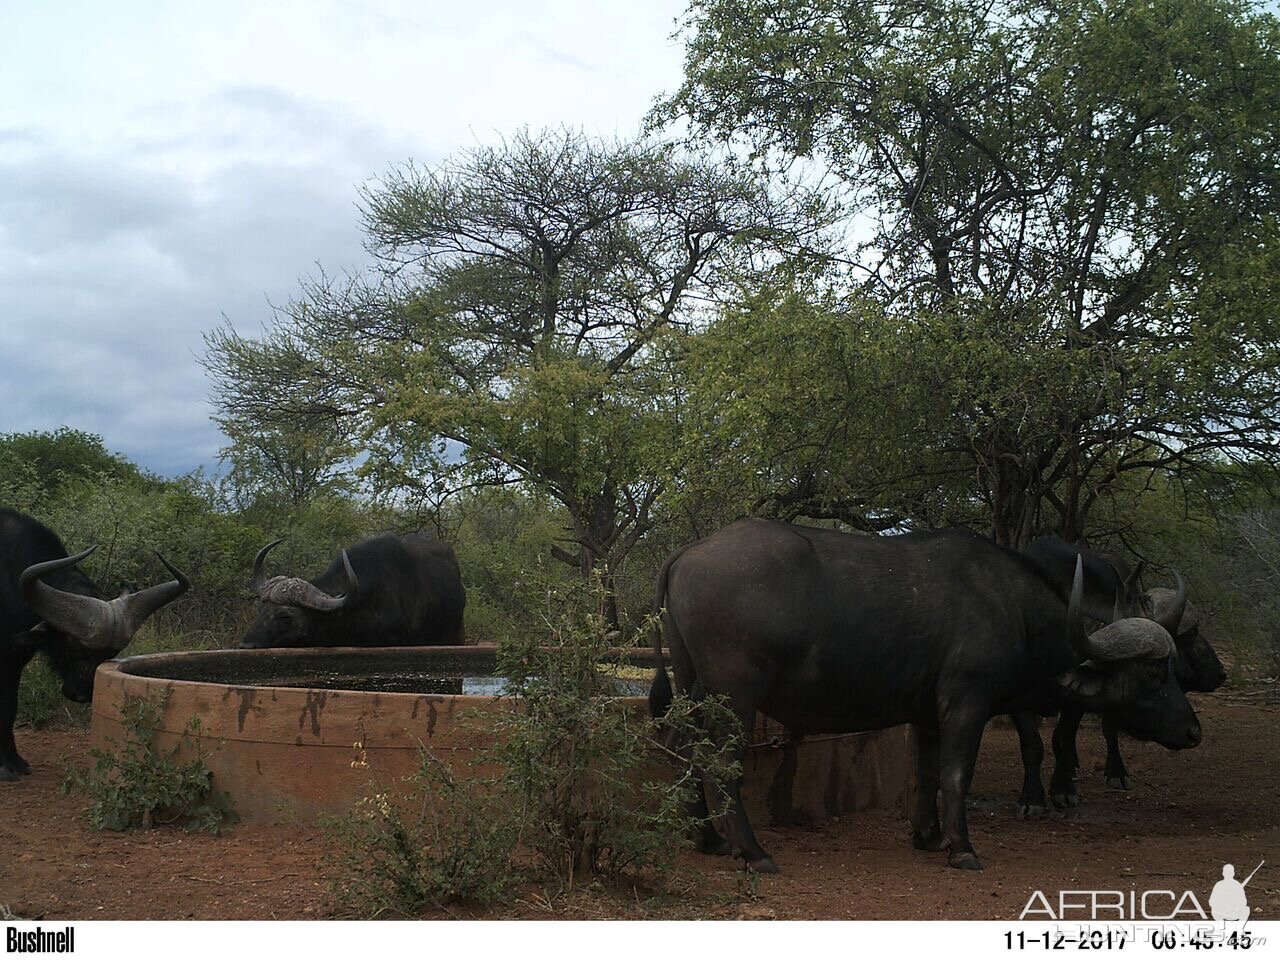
1187	814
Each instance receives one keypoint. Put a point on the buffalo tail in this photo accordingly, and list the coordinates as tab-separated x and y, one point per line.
660	693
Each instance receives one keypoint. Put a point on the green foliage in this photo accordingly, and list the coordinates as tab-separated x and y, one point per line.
1252	606
502	538
136	784
576	785
508	335
584	777
1224	538
44	461
446	840
1071	218
800	404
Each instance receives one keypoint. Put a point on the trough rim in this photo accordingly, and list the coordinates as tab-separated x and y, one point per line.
117	668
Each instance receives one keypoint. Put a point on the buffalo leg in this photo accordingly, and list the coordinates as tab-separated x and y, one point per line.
737	827
926	831
958	752
1062	788
741	836
11	763
1115	772
706	837
741	839
1032	801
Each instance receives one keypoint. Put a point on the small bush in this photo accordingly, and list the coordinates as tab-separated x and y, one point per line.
587	779
138	785
583	789
448	841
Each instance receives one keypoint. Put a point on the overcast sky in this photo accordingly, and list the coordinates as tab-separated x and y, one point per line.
165	164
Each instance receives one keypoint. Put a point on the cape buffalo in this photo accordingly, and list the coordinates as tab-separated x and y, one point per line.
829	632
387	591
49	606
1196	668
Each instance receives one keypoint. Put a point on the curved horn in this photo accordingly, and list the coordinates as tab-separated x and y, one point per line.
37	570
1132	639
296	592
1173	614
259	580
1075	618
304	593
353	585
1134	580
87	618
96	623
135	608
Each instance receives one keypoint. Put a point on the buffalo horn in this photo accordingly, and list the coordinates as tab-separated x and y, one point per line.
100	624
296	592
1135	638
1075	617
259	579
1173	613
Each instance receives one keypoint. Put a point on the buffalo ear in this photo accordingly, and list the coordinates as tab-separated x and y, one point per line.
30	641
1084	684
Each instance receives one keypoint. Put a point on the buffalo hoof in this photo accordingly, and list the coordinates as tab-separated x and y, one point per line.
964	860
932	842
8	774
1120	783
1066	798
1029	811
764	865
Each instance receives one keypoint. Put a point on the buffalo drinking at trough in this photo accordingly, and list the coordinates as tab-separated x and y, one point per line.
829	632
387	591
49	606
1196	666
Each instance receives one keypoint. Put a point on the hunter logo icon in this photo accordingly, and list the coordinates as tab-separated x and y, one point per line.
1228	901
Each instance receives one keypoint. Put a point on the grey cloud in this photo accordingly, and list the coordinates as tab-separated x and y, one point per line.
110	271
52	199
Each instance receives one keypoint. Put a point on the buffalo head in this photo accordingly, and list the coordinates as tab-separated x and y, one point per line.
1197	664
295	612
1129	672
79	630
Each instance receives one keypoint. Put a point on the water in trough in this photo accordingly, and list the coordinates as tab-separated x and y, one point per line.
468	672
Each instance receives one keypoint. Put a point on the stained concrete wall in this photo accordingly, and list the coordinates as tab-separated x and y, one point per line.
287	755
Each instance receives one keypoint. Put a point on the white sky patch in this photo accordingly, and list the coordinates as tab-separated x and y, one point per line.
165	164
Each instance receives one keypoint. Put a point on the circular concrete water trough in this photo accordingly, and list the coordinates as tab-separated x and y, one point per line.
291	734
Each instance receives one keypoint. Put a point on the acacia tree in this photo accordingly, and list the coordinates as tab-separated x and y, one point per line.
292	461
508	335
1071	211
801	403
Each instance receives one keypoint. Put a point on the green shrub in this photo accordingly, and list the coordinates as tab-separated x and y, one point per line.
137	784
582	787
446	841
592	791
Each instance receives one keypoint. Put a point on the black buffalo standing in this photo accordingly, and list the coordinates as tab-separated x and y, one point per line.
1196	667
49	606
387	591
829	632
